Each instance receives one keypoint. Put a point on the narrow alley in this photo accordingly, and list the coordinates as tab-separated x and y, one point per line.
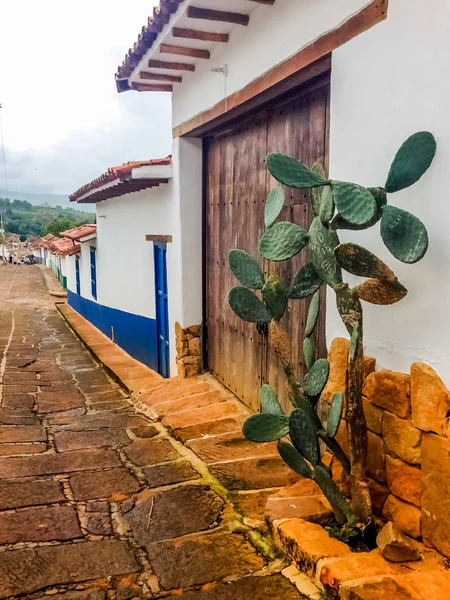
87	512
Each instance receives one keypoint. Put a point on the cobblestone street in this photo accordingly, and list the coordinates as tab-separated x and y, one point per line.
97	500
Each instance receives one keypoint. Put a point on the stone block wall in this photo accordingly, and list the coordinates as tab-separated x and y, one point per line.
189	354
409	449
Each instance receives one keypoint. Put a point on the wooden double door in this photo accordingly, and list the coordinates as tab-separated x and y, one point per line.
237	185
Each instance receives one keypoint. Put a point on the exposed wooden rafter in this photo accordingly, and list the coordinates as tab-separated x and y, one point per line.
151	87
183	51
268	2
174	66
204	36
160	77
208	14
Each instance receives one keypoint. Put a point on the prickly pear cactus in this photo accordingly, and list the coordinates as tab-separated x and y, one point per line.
336	205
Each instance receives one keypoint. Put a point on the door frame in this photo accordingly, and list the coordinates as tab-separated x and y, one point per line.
260	108
77	275
161	308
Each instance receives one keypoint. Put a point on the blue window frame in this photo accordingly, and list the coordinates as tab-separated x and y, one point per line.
162	308
77	274
93	273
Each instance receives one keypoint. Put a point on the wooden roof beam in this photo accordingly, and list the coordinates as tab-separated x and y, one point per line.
182	50
268	2
204	36
151	87
160	77
176	66
217	15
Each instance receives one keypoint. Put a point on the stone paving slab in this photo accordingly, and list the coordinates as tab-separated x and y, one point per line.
22	434
48	464
15	494
30	569
76	440
254	588
102	484
199	559
169	473
39	524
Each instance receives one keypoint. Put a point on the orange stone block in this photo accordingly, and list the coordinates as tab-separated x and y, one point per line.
430	399
404	481
374	416
406	516
402	438
376	457
307	543
337	357
389	390
436	492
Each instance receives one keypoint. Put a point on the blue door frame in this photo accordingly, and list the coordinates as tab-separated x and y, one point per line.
162	308
93	273
77	274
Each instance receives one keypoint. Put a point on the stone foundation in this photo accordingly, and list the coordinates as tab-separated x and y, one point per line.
189	354
409	450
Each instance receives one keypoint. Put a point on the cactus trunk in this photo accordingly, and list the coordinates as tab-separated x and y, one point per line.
357	433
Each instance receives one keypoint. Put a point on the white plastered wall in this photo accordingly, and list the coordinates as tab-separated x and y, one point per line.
70	273
125	268
389	82
274	34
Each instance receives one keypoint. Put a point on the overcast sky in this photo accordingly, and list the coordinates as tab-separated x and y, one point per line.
63	121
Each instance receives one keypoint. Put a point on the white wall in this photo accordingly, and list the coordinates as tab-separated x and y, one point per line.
85	270
70	274
274	34
125	268
389	82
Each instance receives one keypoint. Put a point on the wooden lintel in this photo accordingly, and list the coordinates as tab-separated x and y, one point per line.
288	70
161	239
204	36
175	66
223	16
182	50
151	87
160	77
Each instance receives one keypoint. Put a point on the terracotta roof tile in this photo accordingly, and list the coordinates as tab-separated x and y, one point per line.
146	39
120	172
63	247
76	233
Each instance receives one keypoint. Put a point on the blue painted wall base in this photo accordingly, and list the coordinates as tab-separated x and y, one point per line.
135	334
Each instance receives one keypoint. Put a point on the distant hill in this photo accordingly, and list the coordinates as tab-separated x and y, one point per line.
50	200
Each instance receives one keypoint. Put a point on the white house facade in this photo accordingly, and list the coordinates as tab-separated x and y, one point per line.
135	258
342	82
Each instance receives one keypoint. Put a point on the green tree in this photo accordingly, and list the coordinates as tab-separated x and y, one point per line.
57	225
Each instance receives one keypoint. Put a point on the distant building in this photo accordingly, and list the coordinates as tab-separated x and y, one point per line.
126	278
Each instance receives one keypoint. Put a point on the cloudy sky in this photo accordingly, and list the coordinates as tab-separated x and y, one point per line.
63	121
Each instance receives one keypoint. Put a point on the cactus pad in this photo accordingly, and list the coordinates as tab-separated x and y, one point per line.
294	459
380	292
246	269
304	436
354	202
283	240
306	282
269	402
359	261
349	308
411	161
265	427
275	296
380	197
327	204
248	306
332	493
274	205
292	172
404	235
335	414
313	314
322	242
316	193
308	352
317	378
